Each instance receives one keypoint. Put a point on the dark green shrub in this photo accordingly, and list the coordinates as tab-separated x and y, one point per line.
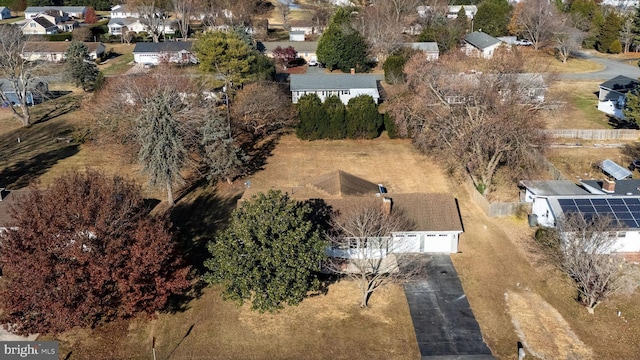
363	119
337	115
313	118
394	69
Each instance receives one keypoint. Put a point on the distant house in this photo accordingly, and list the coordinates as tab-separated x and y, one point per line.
613	94
531	87
5	13
137	25
479	44
306	49
306	26
55	50
452	11
619	200
39	26
296	36
77	12
173	52
435	217
345	86
429	48
37	88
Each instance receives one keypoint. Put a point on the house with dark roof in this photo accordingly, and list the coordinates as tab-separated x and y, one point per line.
480	44
178	52
435	220
55	50
552	200
613	94
76	12
344	86
39	26
36	90
5	13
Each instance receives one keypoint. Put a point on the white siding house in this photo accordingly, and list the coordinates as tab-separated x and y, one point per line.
173	52
613	94
479	44
345	86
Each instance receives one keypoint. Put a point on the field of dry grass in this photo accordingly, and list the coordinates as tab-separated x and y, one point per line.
545	61
580	111
582	162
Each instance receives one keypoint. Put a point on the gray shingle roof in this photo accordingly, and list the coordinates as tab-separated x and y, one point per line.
621	84
170	46
300	46
481	40
553	187
67	9
44	22
332	82
623	187
423	46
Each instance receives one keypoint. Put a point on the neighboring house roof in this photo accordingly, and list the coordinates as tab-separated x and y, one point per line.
625	210
43	22
481	40
299	46
170	46
622	187
122	21
553	187
4	8
301	82
621	84
67	9
300	23
423	46
296	32
340	183
6	84
58	46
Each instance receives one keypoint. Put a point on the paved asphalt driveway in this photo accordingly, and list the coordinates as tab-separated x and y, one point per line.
612	69
442	318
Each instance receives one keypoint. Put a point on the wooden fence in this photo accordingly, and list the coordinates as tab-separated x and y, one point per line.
496	209
593	134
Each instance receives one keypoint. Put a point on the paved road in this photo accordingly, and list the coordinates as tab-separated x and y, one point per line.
612	69
442	318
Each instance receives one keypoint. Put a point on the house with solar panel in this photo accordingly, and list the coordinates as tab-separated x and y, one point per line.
613	94
344	86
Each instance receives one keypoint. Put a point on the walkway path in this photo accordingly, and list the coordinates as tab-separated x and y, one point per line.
612	68
442	318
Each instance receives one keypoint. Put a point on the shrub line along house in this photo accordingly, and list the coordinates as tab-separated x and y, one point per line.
619	200
344	86
436	218
172	51
613	94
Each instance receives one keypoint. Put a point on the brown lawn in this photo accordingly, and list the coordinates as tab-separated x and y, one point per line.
580	111
582	162
544	60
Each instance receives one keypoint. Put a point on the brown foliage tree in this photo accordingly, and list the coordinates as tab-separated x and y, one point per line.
90	16
261	108
476	122
84	252
82	33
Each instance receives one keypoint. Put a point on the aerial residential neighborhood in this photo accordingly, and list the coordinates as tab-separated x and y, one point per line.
319	179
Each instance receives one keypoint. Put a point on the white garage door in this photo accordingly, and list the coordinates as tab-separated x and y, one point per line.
406	243
438	243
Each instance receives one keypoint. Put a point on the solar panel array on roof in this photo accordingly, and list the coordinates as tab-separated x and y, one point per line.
626	211
615	170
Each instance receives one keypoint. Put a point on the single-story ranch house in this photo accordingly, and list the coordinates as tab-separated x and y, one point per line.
76	12
171	51
429	48
345	86
36	91
306	49
479	44
551	200
613	94
55	50
436	220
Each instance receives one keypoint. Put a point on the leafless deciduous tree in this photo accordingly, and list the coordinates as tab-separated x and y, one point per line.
283	9
535	20
566	40
153	13
261	108
364	250
477	122
382	23
582	248
183	10
17	75
229	12
627	33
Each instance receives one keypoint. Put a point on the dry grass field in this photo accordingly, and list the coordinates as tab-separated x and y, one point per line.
580	109
544	59
582	162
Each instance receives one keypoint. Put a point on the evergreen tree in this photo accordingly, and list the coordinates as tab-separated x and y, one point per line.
313	118
363	119
270	253
609	32
390	126
223	158
493	17
162	153
636	27
341	46
631	109
394	69
79	68
461	23
336	113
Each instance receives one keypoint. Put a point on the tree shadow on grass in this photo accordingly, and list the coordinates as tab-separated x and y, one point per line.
259	152
195	223
622	124
21	173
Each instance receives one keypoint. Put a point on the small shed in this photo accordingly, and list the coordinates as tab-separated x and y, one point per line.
296	35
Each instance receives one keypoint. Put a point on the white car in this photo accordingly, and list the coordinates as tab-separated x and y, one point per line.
313	62
524	42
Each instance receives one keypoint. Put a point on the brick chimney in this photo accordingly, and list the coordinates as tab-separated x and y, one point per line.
353	71
387	205
608	185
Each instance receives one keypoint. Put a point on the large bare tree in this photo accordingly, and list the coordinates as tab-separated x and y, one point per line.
184	9
583	249
261	108
17	74
363	249
477	123
154	14
535	20
567	40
